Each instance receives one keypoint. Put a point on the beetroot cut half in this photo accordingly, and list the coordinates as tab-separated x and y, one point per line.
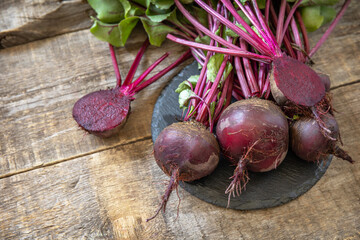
104	112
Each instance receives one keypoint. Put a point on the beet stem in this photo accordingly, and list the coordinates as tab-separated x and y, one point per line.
286	39
289	18
254	88
182	58
279	27
239	19
173	183
183	28
232	52
204	29
213	91
115	65
297	38
267	9
241	77
259	45
261	76
303	32
147	71
136	62
267	30
331	28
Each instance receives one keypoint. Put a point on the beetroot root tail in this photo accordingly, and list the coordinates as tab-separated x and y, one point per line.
340	153
171	186
325	131
238	183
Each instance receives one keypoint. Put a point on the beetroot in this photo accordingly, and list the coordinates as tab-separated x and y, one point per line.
104	112
185	151
292	80
309	142
295	81
253	134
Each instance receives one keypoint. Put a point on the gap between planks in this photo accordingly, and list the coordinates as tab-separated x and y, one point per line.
72	158
345	84
41	39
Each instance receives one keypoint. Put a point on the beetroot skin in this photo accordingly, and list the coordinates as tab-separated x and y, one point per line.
189	148
247	121
309	143
186	151
103	112
254	135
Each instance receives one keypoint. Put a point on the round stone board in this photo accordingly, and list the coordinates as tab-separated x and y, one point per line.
291	179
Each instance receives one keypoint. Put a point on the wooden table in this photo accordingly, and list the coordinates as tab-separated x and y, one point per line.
58	182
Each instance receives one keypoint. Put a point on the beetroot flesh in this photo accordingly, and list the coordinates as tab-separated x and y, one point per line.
309	142
186	151
296	81
103	112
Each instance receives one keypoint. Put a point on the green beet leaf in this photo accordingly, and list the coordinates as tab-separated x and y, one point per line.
328	13
312	17
126	26
157	15
131	9
156	31
108	11
144	3
163	4
184	98
213	66
106	32
186	84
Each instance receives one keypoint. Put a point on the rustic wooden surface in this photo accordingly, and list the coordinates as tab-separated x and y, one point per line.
56	182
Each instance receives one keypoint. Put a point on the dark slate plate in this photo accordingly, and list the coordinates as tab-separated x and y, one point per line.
291	179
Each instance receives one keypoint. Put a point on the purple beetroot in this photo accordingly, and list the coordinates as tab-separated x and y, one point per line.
254	135
104	112
185	151
309	142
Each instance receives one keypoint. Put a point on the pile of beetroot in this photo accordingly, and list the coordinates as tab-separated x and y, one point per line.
260	60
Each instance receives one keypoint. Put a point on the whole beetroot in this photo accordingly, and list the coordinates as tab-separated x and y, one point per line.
309	142
185	151
253	134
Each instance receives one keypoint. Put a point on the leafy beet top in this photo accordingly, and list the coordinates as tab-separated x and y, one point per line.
102	110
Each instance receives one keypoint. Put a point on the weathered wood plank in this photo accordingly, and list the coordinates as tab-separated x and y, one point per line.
339	56
109	194
25	21
41	81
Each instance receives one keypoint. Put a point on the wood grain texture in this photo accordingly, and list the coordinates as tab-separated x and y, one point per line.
23	21
42	80
339	55
58	183
109	194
